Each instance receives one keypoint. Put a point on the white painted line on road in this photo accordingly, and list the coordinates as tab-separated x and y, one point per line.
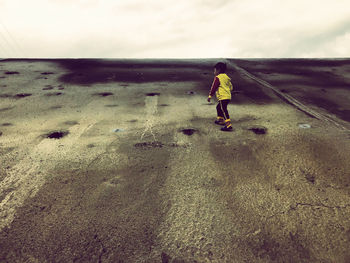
151	110
26	178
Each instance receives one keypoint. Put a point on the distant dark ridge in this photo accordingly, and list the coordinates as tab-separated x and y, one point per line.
294	62
90	71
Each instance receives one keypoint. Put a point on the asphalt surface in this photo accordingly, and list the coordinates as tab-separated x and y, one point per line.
120	161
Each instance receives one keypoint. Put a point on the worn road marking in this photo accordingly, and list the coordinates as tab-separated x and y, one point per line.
26	178
151	110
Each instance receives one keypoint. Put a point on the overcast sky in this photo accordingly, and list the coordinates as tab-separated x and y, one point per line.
174	28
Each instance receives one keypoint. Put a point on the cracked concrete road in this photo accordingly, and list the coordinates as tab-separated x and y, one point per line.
142	174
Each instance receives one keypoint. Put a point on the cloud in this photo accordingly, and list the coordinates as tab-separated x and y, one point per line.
197	28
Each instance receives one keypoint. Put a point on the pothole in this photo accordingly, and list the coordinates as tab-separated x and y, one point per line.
7	124
258	129
47	73
191	92
11	72
111	105
48	88
164	105
155	144
153	94
57	134
189	132
103	94
23	95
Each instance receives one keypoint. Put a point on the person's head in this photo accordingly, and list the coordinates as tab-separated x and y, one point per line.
219	68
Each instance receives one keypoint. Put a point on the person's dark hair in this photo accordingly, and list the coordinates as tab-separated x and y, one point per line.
220	67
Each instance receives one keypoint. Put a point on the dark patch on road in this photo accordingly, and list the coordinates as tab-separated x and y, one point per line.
53	94
153	94
84	204
56	107
6	124
191	92
91	145
326	104
90	71
310	178
71	122
249	92
165	258
303	73
176	145
11	72
47	73
258	129
48	87
124	85
133	121
61	88
56	134
103	94
22	95
164	105
111	105
154	144
5	109
5	95
0	133
189	132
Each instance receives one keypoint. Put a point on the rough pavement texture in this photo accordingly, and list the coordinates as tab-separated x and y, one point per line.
142	174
